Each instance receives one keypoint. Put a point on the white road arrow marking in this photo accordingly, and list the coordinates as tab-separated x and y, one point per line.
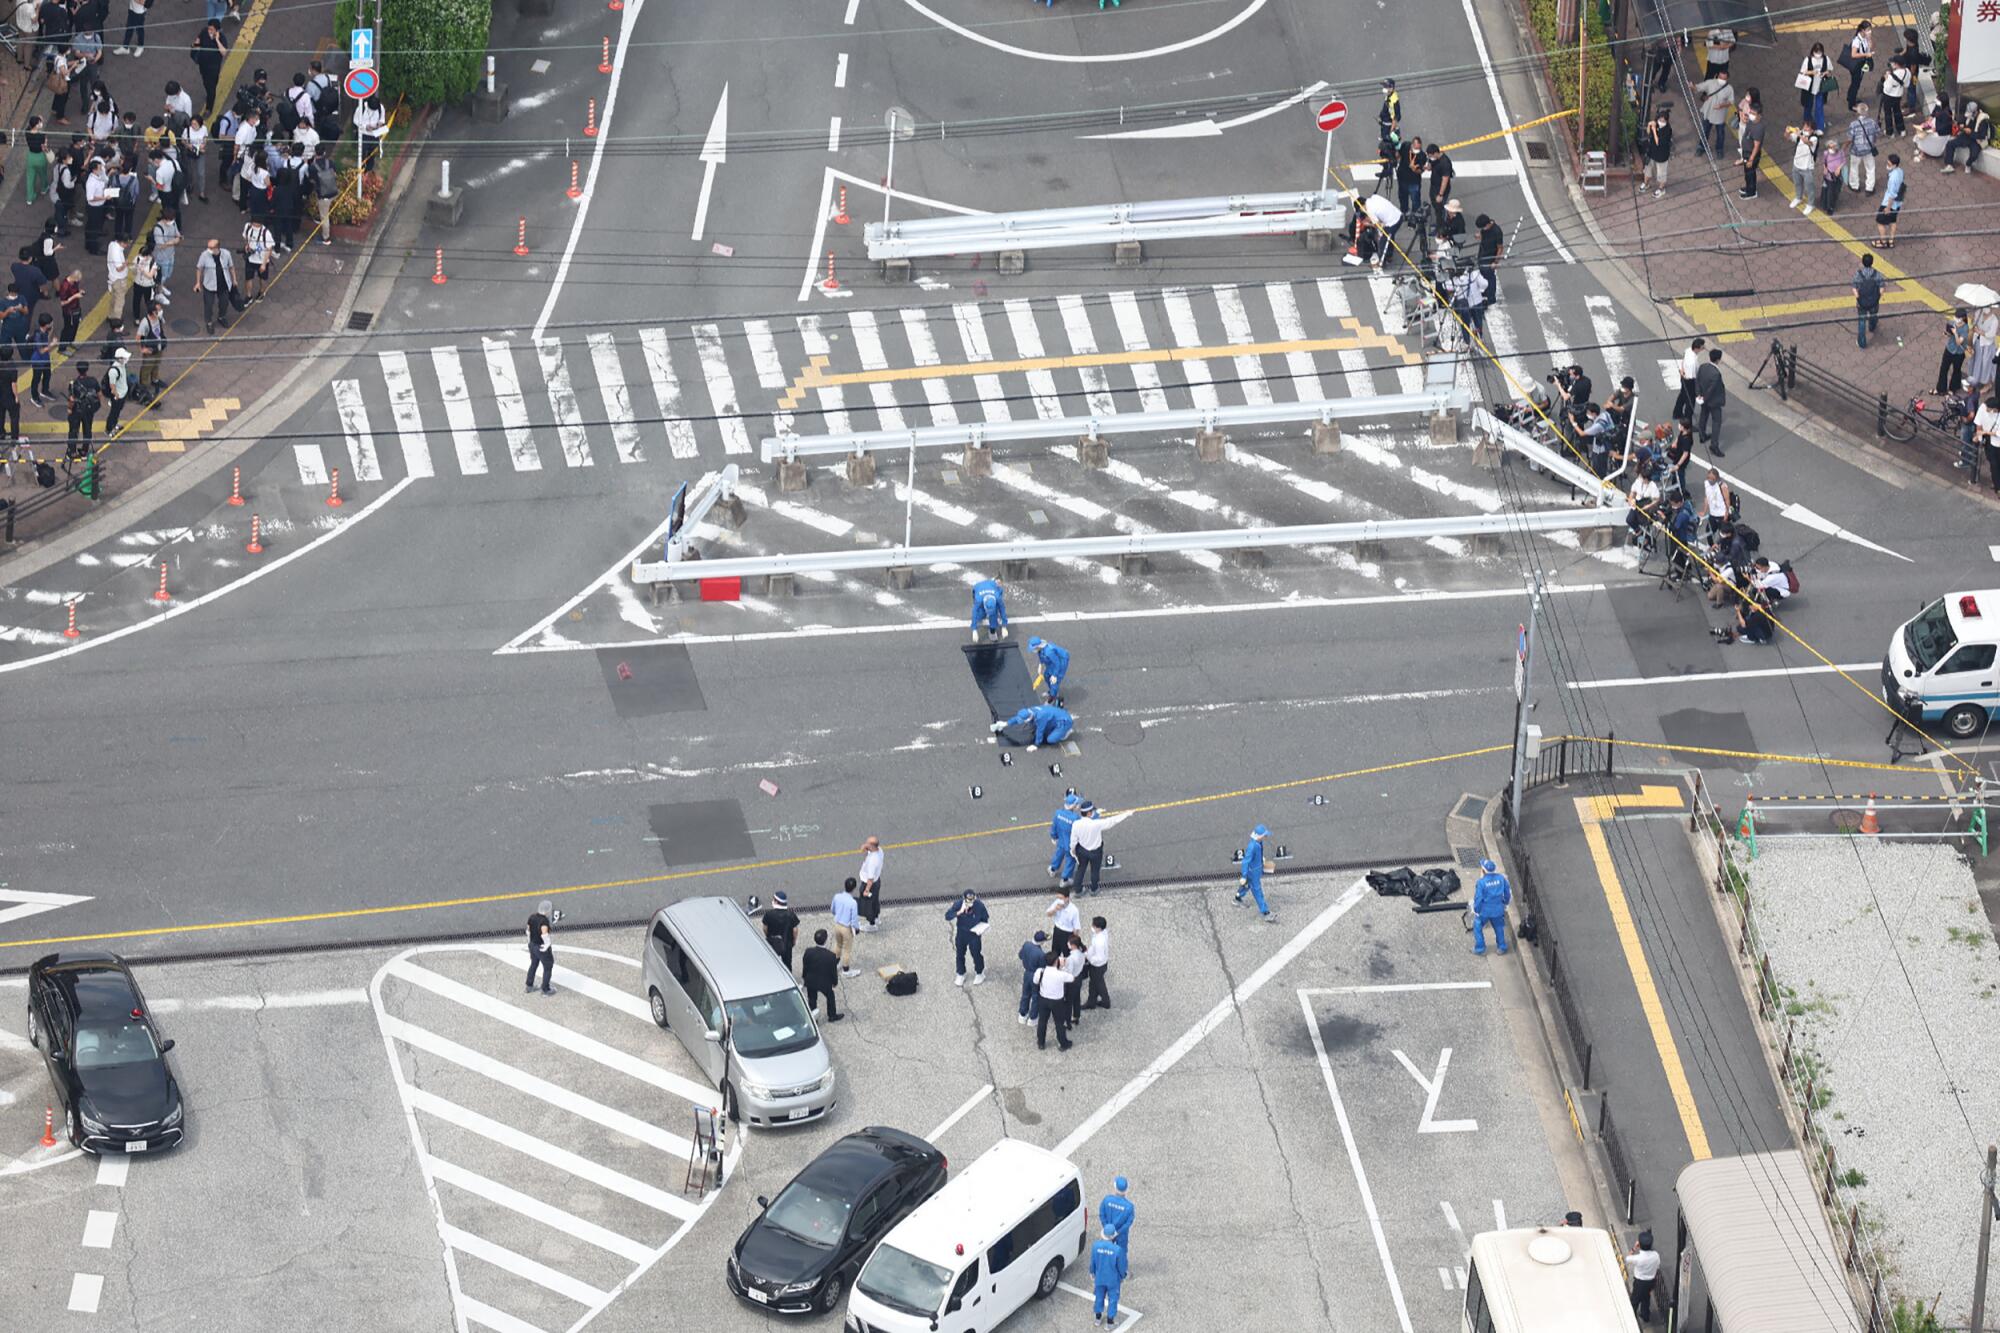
1432	1086
27	904
1210	128
714	151
1798	513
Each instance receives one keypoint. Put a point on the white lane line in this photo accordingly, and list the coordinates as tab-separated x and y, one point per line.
628	20
541	1089
548	1154
1028	345
681	441
1457	1232
833	135
721	388
562	401
98	1228
840	70
1307	386
1499	1215
852	7
457	396
1132	332
526	1205
868	342
354	425
764	353
1397	987
1083	342
85	1290
1389	309
1186	333
833	400
520	1265
555	1034
1354	1161
610	372
1698	677
1513	151
111	1171
971	321
578	983
923	350
408	416
319	999
1236	328
964	1109
1604	324
512	407
1228	1005
479	1312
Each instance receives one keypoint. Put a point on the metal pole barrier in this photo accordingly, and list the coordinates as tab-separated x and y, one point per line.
1527	694
1986	1207
910	497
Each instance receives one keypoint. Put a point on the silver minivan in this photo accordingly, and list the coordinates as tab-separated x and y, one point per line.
713	981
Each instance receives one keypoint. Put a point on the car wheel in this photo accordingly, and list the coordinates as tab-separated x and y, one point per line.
34	1031
728	1100
830	1294
1050	1276
1965	721
659	1004
70	1128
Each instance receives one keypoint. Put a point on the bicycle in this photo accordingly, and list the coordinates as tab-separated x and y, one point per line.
1946	412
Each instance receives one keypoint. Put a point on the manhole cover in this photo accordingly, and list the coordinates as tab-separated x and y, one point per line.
1537	151
1124	733
359	320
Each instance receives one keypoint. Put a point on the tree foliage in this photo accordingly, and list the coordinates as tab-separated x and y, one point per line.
428	50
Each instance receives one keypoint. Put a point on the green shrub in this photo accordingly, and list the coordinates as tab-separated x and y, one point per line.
430	50
1600	73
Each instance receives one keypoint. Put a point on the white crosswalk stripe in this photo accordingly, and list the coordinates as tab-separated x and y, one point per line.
681	441
1132	333
1083	342
1028	343
570	434
868	344
832	400
312	464
354	425
457	398
924	352
721	388
610	372
1236	329
1187	333
972	336
513	409
408	417
1306	385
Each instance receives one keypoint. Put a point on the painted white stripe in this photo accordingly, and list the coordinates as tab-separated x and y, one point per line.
721	388
559	1219
1693	678
562	401
840	70
833	135
1228	1006
1396	987
520	1265
853	7
1186	333
681	441
868	342
1083	342
512	407
1306	385
1356	380
610	372
98	1228
964	1109
409	418
539	1088
555	1034
923	350
1506	347
1132	332
354	425
971	323
764	353
1513	149
548	1154
320	999
1670	374
111	1171
1028	345
1236	328
1604	324
85	1290
479	1312
578	983
833	400
458	415
1389	309
1542	293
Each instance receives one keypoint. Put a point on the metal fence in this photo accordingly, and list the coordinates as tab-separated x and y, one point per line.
1869	413
89	483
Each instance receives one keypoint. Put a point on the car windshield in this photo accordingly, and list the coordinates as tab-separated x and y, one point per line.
102	1045
806	1214
770	1025
904	1282
1928	638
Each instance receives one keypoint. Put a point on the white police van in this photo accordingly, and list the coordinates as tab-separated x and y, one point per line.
1940	667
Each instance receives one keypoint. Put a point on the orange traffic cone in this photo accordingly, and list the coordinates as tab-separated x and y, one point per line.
48	1126
1869	823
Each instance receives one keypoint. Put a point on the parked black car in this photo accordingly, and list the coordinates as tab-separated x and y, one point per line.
105	1057
805	1247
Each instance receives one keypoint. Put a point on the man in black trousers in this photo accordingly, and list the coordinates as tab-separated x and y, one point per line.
820	968
781	927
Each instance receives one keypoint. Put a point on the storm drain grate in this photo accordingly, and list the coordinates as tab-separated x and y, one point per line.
360	320
1537	151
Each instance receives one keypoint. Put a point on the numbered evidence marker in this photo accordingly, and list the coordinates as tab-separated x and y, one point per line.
976	791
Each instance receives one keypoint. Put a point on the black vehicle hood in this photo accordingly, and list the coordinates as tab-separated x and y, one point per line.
133	1094
771	1255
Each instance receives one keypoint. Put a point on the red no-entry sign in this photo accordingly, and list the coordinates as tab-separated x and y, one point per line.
1331	116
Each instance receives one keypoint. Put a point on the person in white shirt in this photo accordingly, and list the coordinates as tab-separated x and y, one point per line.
1690	364
1052	985
1714	500
1096	958
195	157
1643	1263
1986	434
96	204
117	277
1072	965
1771	580
1086	840
870	876
1063	923
178	102
371	123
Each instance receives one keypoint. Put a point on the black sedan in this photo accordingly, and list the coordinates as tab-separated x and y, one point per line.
804	1248
105	1056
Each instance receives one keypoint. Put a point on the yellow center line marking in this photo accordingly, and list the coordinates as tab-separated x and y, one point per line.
1842	25
1591	813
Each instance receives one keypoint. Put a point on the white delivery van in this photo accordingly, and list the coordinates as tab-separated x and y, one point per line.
999	1233
1940	667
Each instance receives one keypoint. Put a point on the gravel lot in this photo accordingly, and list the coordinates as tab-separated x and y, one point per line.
1890	968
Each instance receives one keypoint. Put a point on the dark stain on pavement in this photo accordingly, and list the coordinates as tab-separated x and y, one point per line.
650	680
1718	731
701	832
1380	967
1016	1102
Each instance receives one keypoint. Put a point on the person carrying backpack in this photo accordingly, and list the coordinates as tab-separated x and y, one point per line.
1867	300
117	389
86	396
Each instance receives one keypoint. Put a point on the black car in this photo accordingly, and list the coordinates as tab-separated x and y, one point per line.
805	1247
105	1056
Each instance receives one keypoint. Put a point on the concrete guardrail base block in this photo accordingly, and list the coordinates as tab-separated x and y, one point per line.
1371	551
1134	563
791	477
1326	437
1093	453
1010	570
1598	539
1208	446
491	108
1249	557
1128	254
444	210
733	511
778	585
1444	427
1013	263
1319	241
1488	543
979	460
901	577
1486	451
861	469
896	270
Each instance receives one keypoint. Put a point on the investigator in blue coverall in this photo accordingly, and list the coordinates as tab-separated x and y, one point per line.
1048	724
1062	862
1251	881
967	914
1115	1213
989	607
1107	1274
1055	666
1490	897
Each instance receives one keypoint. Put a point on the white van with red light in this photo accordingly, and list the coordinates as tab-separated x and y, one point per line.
1941	665
995	1237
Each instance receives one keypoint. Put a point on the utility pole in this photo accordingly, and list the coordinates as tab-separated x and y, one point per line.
1524	675
1987	1205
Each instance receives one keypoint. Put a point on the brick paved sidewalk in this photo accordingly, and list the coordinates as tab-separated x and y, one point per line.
1779	274
210	379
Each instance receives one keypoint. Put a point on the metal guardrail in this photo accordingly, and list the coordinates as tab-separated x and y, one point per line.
1550	460
89	484
1371	408
1792	377
1105	224
987	553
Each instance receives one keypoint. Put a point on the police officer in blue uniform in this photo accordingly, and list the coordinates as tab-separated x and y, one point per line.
1055	666
1490	896
1048	724
1114	1214
989	607
1107	1274
1063	862
1251	881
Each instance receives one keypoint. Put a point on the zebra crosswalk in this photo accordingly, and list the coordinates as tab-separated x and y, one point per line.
708	391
